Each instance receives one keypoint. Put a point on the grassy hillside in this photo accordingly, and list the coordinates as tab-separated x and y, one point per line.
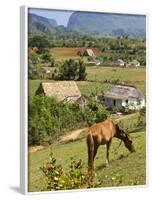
124	169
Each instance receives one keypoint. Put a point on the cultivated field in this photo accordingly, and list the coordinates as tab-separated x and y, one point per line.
67	53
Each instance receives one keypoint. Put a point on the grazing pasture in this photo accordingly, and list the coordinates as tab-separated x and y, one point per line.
125	168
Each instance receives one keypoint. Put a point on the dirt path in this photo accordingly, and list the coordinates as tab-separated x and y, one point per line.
35	148
82	132
73	136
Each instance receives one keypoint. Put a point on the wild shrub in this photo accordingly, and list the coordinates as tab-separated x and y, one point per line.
142	118
49	119
95	112
56	178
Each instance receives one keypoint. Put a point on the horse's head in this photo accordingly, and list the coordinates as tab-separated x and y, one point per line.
121	134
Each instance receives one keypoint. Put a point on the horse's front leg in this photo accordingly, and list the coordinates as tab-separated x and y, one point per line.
107	155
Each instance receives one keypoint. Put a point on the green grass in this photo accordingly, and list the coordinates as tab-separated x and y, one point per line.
99	75
133	76
125	168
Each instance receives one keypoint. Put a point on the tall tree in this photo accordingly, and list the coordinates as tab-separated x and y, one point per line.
82	71
40	42
69	70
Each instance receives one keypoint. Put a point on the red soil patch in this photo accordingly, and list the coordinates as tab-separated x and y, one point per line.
74	51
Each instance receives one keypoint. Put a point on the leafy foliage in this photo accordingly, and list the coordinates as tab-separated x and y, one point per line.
58	179
95	112
72	70
40	42
48	58
69	70
48	119
142	118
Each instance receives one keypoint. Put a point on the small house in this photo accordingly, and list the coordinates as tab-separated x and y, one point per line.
124	96
89	52
134	63
93	63
61	90
120	63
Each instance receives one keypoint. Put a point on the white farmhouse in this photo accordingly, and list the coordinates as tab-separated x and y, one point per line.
122	96
120	63
134	63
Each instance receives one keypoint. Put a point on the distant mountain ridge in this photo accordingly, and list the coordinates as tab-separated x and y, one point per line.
93	24
41	24
44	19
108	24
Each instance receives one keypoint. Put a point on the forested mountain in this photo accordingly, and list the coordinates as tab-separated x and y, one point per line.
93	24
41	24
108	24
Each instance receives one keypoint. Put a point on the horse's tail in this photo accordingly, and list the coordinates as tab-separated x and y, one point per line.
90	144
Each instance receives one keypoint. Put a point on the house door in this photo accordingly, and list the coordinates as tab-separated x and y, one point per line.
114	102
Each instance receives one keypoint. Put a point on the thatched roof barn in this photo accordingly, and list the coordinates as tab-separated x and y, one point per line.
122	95
59	89
89	52
122	91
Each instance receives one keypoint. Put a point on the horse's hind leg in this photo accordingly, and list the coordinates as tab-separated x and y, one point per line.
107	155
95	151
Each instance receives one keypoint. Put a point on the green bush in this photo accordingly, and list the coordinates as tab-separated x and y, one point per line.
95	112
49	119
40	42
47	58
142	118
72	70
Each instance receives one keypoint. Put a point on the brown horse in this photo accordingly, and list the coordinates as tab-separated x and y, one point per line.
102	133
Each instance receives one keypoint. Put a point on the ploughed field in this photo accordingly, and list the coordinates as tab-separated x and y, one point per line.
63	53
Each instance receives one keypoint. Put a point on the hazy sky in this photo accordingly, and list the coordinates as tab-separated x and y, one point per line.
61	17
